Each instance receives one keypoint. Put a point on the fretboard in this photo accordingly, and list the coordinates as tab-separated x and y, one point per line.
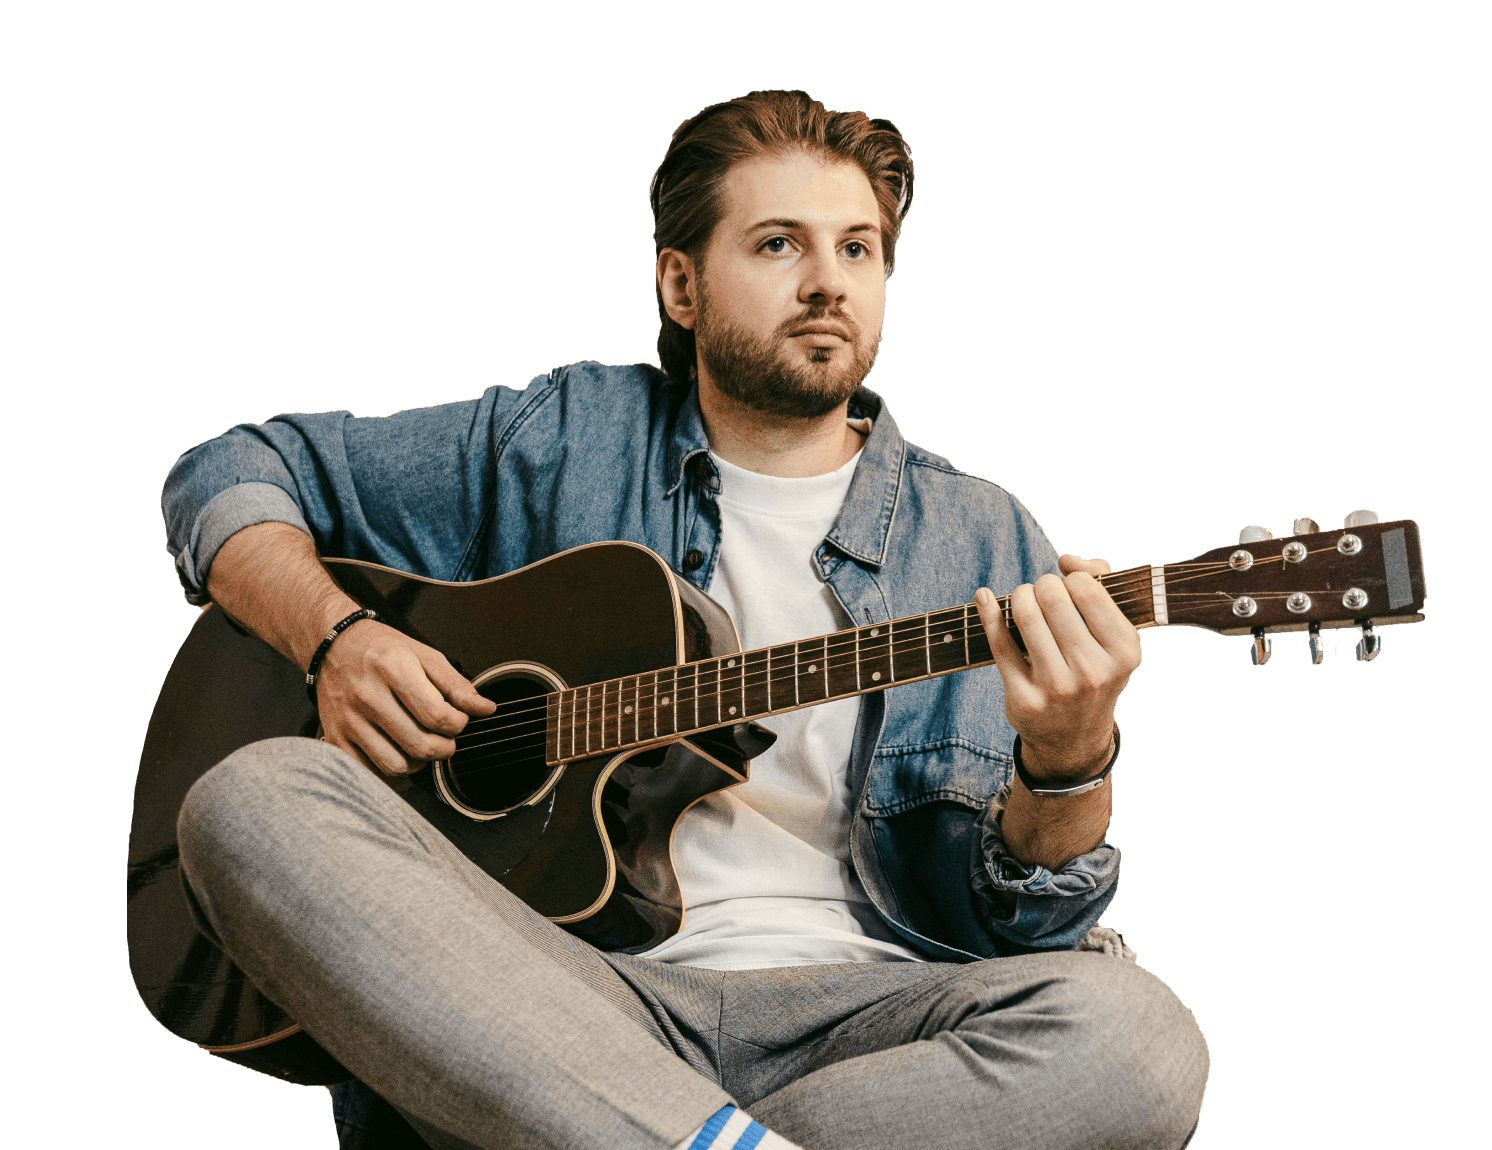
659	706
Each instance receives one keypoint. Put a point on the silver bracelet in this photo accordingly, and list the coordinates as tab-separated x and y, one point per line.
1047	791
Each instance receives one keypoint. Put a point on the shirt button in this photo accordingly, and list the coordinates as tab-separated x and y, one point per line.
694	559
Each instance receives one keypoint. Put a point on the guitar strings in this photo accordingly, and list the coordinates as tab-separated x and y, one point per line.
753	675
1125	581
842	641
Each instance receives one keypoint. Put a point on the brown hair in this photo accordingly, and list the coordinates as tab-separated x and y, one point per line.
686	189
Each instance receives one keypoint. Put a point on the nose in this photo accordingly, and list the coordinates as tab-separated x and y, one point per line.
821	284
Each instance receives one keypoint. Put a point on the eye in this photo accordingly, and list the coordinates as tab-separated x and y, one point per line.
855	250
776	245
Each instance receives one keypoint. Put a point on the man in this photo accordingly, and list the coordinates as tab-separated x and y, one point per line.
880	940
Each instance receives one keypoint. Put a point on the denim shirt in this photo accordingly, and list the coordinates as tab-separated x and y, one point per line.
471	490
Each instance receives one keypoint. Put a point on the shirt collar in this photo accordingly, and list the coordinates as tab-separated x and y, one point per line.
863	528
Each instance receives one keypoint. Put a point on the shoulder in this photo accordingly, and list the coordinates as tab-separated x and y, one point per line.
970	519
594	395
934	475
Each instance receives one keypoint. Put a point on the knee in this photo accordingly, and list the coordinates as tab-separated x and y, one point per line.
1144	1049
1117	1044
257	792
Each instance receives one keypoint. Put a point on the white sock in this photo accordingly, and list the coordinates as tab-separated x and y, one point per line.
730	1128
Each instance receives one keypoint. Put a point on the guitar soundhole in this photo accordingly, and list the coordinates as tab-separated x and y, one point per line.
499	761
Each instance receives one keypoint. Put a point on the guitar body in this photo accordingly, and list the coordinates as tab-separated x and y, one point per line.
586	844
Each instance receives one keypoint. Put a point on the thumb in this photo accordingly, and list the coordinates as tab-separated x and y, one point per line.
1068	564
455	686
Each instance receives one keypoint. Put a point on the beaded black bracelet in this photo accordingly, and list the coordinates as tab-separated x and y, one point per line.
326	645
1047	791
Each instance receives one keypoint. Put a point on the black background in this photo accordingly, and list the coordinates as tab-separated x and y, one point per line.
1154	319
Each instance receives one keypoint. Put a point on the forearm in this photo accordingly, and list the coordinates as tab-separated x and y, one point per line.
269	578
1051	830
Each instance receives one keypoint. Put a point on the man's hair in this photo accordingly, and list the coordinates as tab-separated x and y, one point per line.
687	188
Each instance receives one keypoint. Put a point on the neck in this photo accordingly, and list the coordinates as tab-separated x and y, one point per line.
784	446
720	691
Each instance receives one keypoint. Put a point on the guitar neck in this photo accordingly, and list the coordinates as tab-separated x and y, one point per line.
638	710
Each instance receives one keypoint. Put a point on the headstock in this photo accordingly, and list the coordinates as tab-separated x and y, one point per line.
1365	574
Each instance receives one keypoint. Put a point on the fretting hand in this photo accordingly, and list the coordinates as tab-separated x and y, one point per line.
1080	653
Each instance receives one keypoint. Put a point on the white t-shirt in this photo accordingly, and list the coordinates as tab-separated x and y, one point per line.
764	866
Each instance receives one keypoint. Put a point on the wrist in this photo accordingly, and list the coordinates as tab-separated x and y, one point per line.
314	625
1063	764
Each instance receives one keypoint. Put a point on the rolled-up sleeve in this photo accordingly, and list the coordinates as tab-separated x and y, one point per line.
229	511
409	490
1052	910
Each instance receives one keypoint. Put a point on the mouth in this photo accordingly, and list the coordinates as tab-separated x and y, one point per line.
822	327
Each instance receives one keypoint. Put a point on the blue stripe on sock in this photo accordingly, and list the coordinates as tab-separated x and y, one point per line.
754	1134
712	1128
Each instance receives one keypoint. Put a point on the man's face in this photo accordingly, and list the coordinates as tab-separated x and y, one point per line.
792	287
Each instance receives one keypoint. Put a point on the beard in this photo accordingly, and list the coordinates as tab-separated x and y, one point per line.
755	371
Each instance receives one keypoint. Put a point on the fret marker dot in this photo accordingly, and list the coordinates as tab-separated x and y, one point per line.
947	638
875	677
730	662
628	710
732	711
874	631
665	700
812	667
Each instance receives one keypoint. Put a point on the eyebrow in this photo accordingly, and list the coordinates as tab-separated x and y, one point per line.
798	225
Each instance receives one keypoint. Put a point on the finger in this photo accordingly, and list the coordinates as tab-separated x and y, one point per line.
1008	657
412	737
411	685
1067	564
1103	618
1089	630
370	744
1042	650
453	685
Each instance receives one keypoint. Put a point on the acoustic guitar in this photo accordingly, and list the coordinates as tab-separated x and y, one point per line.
623	698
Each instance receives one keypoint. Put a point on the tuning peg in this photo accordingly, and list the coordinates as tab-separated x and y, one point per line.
1360	518
1254	535
1306	527
1262	648
1371	646
1318	648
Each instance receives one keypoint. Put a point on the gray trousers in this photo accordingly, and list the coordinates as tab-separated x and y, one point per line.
488	1026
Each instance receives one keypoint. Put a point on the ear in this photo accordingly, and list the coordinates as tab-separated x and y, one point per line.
678	286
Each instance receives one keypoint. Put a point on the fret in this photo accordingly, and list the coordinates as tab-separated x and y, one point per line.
968	609
946	649
554	705
782	688
714	707
927	640
694	693
733	688
812	680
873	654
908	648
587	719
842	661
611	713
978	641
636	708
755	693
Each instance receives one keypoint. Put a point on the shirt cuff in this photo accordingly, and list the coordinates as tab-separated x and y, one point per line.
228	512
1053	909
